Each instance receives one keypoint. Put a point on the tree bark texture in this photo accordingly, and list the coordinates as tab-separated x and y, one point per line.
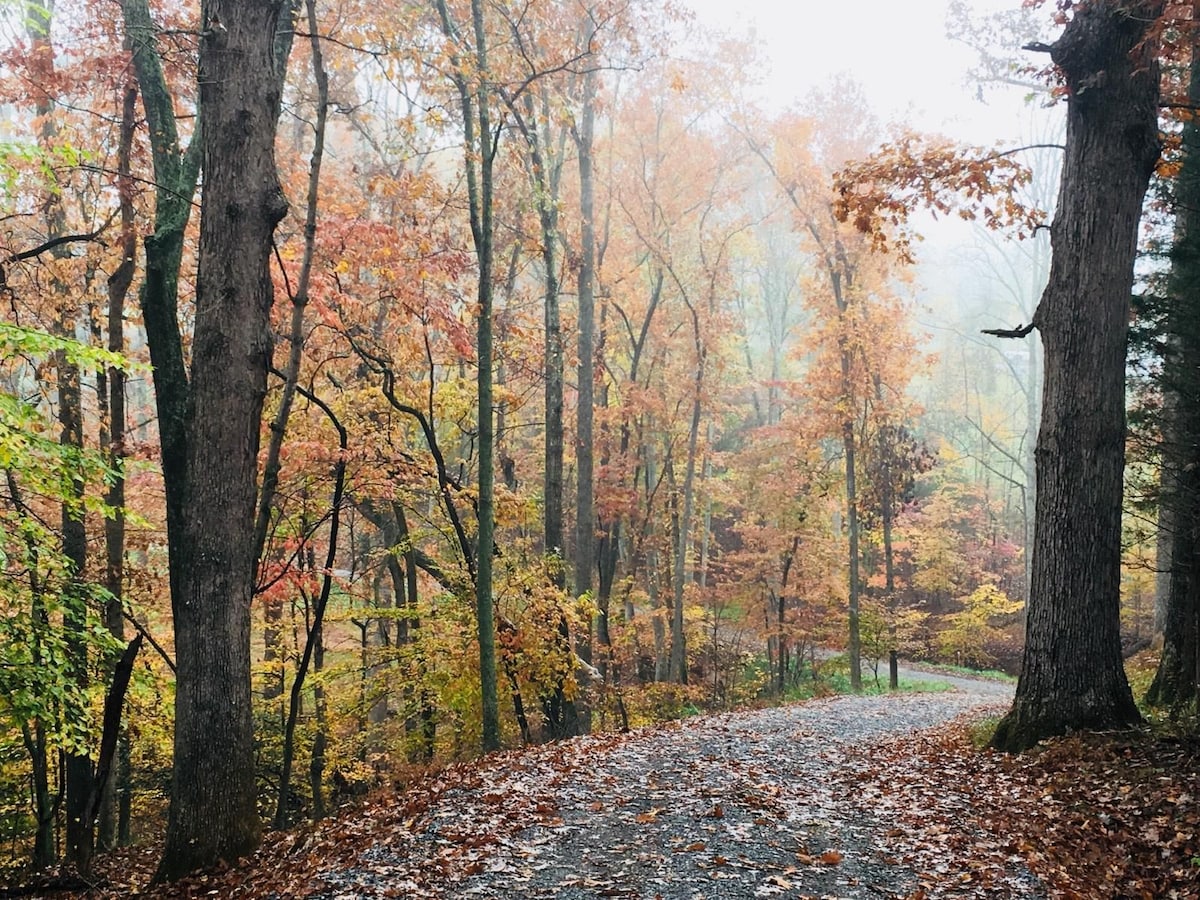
1072	675
213	815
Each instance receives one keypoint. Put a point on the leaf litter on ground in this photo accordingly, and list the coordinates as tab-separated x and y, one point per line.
843	797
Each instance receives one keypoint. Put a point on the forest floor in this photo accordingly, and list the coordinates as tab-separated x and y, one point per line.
850	796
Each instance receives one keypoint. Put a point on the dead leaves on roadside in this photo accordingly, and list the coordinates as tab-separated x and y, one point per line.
1092	816
1087	817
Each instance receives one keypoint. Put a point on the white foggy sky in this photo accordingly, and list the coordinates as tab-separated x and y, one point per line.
911	73
896	49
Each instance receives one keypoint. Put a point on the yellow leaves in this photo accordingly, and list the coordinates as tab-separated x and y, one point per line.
973	629
435	118
988	600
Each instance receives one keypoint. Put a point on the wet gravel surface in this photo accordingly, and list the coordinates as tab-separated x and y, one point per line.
743	805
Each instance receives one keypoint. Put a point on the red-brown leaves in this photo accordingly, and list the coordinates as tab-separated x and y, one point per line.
1091	815
880	193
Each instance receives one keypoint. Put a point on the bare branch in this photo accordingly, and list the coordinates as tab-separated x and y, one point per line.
1020	331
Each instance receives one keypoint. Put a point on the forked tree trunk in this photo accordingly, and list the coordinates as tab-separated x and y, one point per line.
1072	675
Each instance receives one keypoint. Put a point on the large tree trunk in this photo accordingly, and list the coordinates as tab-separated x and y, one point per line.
1072	675
213	814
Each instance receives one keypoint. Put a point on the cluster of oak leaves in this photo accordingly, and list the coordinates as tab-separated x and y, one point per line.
1091	815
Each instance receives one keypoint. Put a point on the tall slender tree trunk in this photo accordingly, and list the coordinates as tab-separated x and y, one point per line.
849	447
585	460
682	547
1072	675
316	760
654	568
1177	681
483	232
77	767
841	280
273	610
552	484
479	157
559	712
886	441
115	811
889	576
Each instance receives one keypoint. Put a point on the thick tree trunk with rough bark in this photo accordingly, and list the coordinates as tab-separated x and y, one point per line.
1072	675
213	814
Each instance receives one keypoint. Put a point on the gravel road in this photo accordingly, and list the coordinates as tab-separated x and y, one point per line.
741	805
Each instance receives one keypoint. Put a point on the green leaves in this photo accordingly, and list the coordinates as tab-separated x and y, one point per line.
39	592
29	342
38	681
29	451
17	159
